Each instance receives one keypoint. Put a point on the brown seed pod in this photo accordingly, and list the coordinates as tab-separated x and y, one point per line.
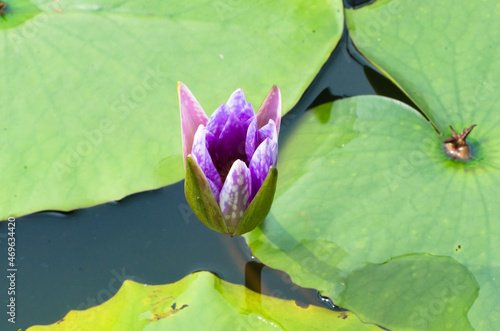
456	147
3	6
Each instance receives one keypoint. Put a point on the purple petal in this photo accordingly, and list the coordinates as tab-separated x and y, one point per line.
270	109
251	140
215	189
237	100
235	194
267	131
246	115
212	142
202	157
218	120
192	115
231	145
264	157
256	137
238	105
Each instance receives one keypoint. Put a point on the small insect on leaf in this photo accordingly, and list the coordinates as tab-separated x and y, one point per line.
456	147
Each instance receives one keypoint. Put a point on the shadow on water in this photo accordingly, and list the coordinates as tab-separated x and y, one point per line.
79	259
355	4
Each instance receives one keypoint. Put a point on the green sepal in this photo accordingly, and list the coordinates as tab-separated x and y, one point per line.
201	199
260	205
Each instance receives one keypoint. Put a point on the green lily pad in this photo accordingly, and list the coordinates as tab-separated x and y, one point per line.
444	56
89	106
202	301
17	12
363	181
448	292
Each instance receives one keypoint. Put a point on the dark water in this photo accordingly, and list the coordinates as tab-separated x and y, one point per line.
357	3
79	259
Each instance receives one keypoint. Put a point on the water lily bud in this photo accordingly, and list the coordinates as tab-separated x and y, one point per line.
230	160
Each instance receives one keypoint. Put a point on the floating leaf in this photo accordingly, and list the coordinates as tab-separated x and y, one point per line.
202	301
364	181
444	56
89	106
446	59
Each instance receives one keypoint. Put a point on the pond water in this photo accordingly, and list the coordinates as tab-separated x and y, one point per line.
79	259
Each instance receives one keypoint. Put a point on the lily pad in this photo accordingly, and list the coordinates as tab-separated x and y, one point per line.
202	301
89	106
363	181
444	56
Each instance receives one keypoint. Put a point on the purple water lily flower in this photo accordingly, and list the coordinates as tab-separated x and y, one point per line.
234	149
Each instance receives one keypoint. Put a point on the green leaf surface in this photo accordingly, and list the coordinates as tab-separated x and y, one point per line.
89	106
202	301
444	55
17	12
363	181
441	293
